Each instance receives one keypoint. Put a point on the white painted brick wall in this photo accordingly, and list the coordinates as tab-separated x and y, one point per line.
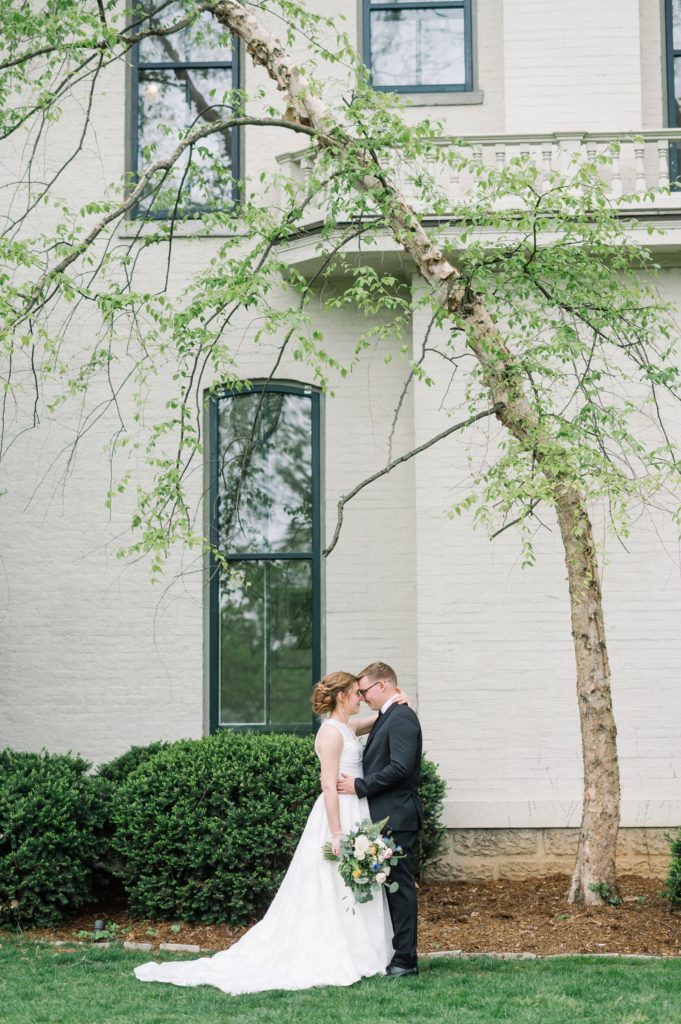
94	658
572	66
653	64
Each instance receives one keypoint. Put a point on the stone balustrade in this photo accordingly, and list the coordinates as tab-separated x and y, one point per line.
637	168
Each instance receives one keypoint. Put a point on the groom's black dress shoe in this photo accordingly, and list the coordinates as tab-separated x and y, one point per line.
395	971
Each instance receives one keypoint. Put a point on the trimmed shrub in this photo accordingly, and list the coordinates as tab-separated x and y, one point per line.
205	829
107	878
117	770
672	885
51	815
431	841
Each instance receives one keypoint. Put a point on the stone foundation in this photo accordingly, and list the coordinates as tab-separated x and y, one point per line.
517	853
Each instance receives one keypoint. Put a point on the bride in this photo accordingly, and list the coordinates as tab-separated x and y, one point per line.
314	932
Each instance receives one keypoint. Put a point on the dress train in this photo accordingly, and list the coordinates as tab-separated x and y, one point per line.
314	932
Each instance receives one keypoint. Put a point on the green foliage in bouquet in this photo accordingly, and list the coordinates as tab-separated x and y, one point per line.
205	829
51	815
366	856
672	885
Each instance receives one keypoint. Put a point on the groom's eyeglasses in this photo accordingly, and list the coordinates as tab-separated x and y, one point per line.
363	693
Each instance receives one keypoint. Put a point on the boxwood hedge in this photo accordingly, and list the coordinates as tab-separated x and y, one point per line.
51	815
205	828
197	829
672	885
117	770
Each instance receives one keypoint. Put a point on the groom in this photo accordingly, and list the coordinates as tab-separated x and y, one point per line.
392	763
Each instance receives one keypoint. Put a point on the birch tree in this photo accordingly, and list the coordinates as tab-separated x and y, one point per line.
572	350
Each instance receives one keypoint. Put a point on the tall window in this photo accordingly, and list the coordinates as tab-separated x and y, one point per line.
419	45
265	613
180	82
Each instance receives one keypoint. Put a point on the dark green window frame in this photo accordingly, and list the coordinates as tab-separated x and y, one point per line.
313	555
673	116
464	5
230	67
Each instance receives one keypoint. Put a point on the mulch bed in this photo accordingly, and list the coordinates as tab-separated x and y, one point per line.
475	917
533	917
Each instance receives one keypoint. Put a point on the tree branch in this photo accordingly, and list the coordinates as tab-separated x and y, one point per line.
160	165
496	408
514	522
129	39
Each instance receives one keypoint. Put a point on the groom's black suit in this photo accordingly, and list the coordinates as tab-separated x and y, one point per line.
392	765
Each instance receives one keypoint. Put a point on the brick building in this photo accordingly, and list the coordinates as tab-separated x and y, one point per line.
94	659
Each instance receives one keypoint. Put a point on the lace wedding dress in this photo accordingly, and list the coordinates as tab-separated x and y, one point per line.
314	932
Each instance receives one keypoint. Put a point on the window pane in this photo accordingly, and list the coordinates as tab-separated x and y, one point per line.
418	47
676	23
291	642
242	647
265	473
677	90
170	102
266	644
205	39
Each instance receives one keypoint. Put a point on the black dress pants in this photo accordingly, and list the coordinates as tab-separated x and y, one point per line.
402	904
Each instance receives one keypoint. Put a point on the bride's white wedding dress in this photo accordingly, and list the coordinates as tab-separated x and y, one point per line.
310	934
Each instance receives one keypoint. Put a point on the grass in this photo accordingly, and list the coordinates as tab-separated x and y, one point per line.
41	984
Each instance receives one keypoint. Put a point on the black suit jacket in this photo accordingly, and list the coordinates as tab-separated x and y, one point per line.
392	768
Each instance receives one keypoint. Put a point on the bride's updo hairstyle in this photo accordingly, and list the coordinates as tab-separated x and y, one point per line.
326	692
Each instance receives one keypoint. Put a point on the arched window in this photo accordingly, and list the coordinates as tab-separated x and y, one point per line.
265	509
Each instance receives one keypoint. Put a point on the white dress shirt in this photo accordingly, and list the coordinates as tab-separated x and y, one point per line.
387	704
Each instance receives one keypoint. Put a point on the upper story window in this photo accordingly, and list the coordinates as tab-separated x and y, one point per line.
674	61
265	615
419	45
673	34
179	82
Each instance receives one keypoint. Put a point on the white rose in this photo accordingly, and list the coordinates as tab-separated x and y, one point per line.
381	877
362	844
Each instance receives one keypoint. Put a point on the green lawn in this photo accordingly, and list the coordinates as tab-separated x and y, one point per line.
42	984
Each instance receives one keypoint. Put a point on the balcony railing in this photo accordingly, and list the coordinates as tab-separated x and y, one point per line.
638	164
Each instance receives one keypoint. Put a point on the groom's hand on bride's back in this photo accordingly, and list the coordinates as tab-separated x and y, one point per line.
346	785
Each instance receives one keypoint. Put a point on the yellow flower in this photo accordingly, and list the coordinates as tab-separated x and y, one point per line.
356	873
372	849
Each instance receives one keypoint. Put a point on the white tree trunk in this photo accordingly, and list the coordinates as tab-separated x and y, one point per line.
595	863
596	852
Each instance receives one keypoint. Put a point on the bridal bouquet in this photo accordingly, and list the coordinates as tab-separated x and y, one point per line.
365	859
